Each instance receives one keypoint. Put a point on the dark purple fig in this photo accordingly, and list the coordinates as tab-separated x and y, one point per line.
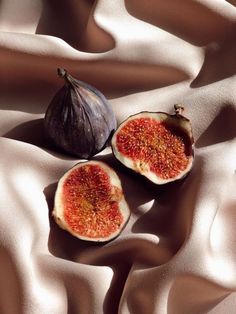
157	145
79	119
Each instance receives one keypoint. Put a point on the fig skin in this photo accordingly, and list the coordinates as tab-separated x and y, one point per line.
79	120
177	122
117	195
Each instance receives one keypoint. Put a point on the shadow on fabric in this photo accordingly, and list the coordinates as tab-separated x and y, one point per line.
192	294
222	128
74	22
187	19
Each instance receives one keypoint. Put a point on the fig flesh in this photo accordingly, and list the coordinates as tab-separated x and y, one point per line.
157	145
89	202
79	120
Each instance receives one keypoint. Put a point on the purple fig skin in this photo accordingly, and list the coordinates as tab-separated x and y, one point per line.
79	119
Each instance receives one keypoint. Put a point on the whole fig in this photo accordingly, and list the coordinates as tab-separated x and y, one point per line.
79	119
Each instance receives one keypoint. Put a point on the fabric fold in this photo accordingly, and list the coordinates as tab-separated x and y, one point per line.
177	253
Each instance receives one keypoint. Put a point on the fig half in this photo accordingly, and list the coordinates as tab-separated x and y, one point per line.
157	145
89	202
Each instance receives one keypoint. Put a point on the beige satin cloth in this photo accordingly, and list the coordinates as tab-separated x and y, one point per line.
177	255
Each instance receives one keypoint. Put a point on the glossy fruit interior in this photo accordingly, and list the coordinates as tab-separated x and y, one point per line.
161	146
91	202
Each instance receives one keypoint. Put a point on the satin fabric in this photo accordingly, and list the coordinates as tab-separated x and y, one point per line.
177	255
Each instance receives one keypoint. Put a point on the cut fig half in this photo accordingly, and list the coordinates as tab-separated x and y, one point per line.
156	145
89	202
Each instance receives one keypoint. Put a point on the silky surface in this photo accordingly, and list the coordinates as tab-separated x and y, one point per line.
177	254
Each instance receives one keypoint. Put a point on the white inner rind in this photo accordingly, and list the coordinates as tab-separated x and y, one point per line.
58	211
144	168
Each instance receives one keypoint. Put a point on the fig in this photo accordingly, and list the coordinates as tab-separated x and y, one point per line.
79	119
89	202
157	145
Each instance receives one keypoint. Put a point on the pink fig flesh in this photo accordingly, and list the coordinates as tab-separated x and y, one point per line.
89	202
156	145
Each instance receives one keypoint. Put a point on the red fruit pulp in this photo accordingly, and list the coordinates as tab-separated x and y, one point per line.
90	202
164	148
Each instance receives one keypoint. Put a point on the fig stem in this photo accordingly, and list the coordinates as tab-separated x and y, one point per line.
178	109
63	74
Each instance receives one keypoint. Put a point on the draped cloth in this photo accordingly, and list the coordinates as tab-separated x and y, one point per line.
177	254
